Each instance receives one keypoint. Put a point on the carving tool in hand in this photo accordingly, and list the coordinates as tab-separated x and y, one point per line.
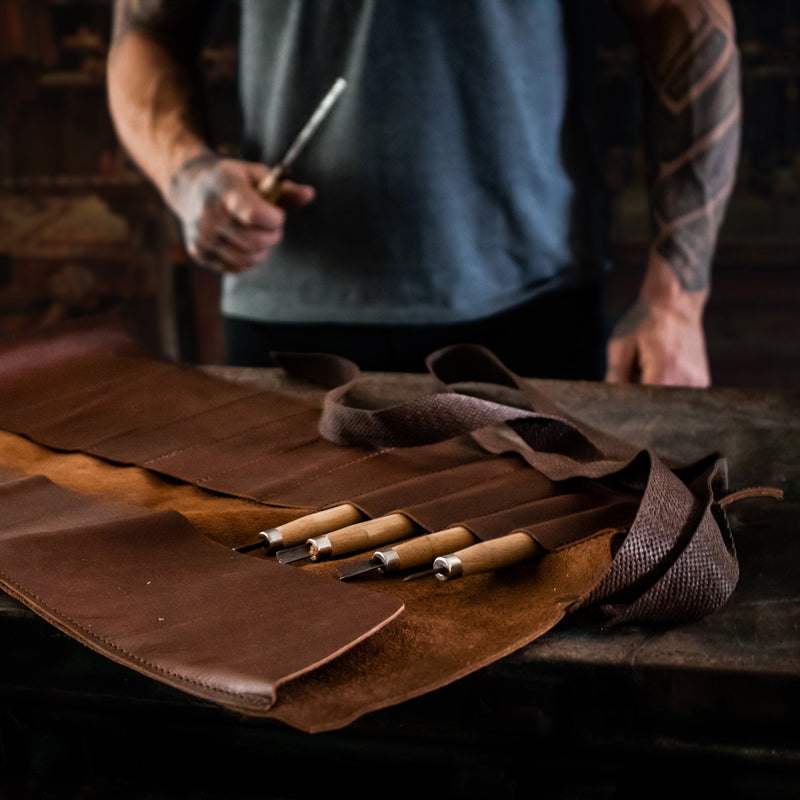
356	538
296	532
270	185
414	553
486	556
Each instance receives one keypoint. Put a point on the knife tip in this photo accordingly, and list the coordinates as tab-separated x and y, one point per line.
417	575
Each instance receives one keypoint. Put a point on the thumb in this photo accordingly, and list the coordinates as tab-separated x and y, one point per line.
244	202
295	195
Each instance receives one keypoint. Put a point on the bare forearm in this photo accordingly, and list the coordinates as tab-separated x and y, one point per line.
152	86
156	105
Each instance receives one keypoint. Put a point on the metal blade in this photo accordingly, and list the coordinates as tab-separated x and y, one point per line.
292	554
313	123
417	575
349	571
268	539
249	547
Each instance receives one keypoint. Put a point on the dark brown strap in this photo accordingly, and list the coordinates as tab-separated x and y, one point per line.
678	560
477	395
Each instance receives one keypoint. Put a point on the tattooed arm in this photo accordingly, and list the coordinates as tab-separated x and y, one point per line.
156	104
693	123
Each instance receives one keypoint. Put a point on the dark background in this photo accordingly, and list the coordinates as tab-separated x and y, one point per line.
80	231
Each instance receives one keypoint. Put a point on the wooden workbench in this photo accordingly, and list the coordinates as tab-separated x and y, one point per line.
582	712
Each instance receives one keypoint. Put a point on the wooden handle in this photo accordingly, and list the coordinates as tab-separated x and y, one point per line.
271	185
320	522
362	536
487	556
422	550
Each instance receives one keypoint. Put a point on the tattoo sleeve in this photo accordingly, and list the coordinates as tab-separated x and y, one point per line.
693	129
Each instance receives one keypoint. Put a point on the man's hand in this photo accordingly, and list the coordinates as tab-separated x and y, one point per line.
660	346
660	340
227	225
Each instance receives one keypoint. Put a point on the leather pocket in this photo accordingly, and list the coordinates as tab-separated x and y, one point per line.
149	591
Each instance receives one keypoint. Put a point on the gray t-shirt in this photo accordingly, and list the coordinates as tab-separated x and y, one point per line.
445	175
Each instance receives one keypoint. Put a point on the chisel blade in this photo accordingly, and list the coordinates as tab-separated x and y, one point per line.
248	548
293	554
415	576
350	571
266	540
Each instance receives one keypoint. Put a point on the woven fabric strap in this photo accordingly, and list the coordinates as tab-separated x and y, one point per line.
677	563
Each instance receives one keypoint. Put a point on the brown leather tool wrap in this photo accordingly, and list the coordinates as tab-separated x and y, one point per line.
147	590
678	561
183	423
97	396
87	390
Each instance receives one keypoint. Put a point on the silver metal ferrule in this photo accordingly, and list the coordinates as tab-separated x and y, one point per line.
390	561
447	567
319	548
273	538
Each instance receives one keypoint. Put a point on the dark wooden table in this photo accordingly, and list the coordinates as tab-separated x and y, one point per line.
711	708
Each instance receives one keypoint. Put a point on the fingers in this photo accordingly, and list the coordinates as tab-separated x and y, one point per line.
227	225
660	349
295	195
691	370
233	247
621	360
242	202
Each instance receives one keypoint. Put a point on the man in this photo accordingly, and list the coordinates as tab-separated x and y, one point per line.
451	195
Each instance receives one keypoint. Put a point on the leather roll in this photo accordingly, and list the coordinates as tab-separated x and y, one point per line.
117	404
147	590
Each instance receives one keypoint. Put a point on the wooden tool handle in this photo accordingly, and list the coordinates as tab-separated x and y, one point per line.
422	550
271	185
489	555
362	536
497	553
320	522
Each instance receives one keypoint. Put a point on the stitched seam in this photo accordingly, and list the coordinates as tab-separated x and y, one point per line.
433	474
242	432
23	593
174	421
347	464
265	457
86	387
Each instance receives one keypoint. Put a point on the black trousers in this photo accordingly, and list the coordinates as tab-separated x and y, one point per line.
560	335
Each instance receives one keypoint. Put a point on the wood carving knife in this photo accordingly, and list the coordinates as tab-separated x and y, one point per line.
356	538
492	554
270	185
296	532
487	556
416	552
